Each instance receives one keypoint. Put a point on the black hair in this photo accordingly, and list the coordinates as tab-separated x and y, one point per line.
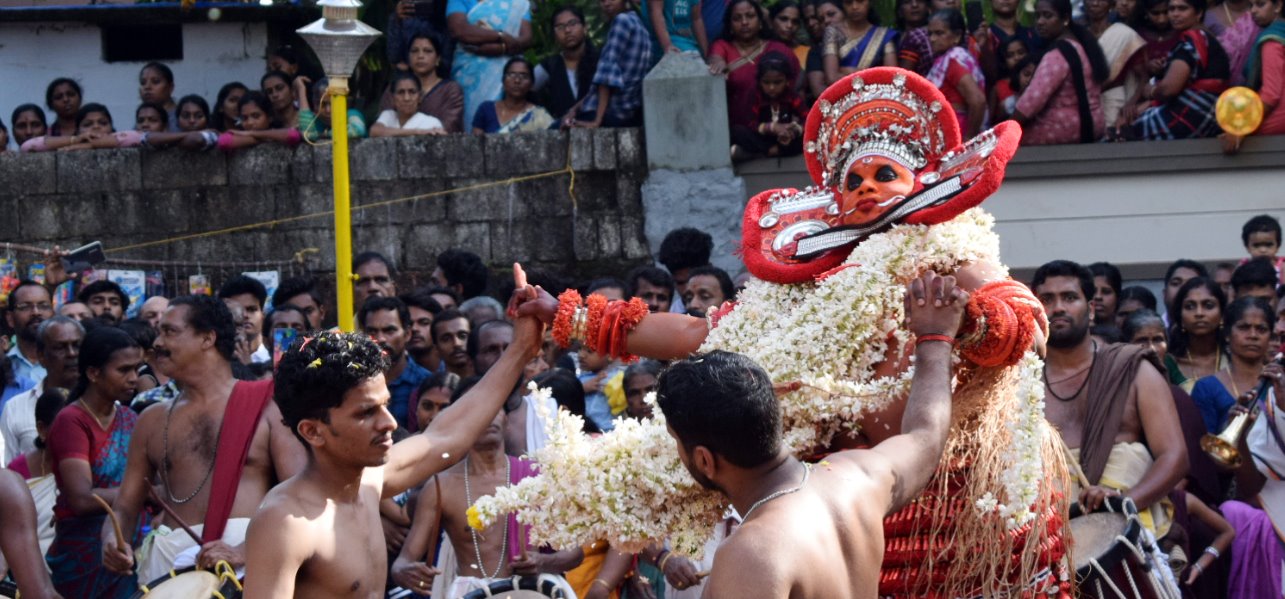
463	387
216	118
765	28
779	7
164	70
724	280
1200	6
284	77
1064	268
1138	320
1178	338
378	303
1140	294
193	99
571	8
1258	272
430	291
369	256
568	393
288	53
241	285
686	247
443	69
17	112
1015	78
56	321
530	69
160	110
464	268
90	108
1200	269
314	374
209	314
422	300
294	287
644	366
96	350
1109	272
13	293
1097	59
1262	223
49	90
438	380
724	402
476	334
48	405
141	331
103	286
898	20
1237	310
954	21
267	322
400	76
445	316
773	62
1107	332
258	99
605	282
654	276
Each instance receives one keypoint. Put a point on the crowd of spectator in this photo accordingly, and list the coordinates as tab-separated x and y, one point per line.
1096	70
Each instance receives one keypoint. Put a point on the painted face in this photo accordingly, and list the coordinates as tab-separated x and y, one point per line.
940	36
152	87
1201	314
406	98
1264	11
27	126
1048	24
786	24
1068	311
279	93
870	188
65	100
148	119
1183	16
773	84
254	118
192	118
422	57
568	31
96	122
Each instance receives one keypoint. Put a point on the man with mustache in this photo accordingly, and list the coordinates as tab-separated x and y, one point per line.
1109	402
29	304
58	348
450	331
214	450
387	321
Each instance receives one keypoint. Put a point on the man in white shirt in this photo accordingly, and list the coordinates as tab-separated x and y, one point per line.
58	347
250	294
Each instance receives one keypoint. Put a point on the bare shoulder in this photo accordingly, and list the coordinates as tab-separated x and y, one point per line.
152	416
758	571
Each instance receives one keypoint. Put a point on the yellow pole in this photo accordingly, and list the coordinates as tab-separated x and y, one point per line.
343	212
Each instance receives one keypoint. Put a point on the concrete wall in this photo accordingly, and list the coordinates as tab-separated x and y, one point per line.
34	53
1138	205
130	196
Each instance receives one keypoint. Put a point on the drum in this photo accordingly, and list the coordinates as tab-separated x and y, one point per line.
543	586
8	589
191	583
1112	558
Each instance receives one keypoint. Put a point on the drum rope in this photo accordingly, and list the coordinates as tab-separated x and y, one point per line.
1128	573
1104	576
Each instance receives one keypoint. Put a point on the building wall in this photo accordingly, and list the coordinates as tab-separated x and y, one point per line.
34	53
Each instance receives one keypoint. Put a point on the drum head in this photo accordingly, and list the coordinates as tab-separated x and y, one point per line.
1094	535
521	587
186	584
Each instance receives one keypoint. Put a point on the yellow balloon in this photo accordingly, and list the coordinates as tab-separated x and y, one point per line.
1239	111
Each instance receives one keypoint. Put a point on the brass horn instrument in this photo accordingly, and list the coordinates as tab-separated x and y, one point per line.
1224	448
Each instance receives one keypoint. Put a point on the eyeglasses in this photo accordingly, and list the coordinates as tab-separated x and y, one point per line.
41	307
517	76
560	27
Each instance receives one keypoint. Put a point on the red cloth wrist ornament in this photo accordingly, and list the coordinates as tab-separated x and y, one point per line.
595	304
563	323
926	338
1000	321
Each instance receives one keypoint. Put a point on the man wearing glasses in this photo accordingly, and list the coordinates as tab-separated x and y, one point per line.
29	305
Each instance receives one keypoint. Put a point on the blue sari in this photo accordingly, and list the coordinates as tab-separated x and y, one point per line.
482	77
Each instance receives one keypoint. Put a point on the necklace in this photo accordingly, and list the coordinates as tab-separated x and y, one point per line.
98	419
477	547
1092	362
807	469
165	460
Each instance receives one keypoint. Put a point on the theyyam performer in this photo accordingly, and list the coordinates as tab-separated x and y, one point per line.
894	195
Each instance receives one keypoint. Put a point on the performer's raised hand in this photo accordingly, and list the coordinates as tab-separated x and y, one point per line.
934	305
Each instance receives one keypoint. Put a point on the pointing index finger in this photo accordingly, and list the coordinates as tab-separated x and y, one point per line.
519	276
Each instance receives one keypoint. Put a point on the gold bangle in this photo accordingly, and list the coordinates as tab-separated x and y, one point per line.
661	565
601	582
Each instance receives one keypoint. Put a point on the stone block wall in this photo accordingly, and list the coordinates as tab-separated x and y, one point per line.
130	196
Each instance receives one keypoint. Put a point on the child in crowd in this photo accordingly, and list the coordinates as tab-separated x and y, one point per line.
1261	236
596	373
94	129
194	130
1003	96
779	114
258	124
150	118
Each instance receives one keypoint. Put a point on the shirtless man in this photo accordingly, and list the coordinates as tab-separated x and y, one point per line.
1086	383
809	531
318	534
480	474
19	549
174	444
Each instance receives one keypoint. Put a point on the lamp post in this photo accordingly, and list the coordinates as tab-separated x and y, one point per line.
339	40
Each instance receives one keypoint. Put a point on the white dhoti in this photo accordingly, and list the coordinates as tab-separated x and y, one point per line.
463	585
167	549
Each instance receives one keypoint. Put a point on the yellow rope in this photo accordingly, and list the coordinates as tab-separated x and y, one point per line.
566	170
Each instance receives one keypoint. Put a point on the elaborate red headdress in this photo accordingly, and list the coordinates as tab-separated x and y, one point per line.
792	235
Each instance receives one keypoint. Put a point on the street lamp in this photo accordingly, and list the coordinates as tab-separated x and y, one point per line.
339	40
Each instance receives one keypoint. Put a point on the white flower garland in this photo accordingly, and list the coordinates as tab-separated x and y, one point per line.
630	487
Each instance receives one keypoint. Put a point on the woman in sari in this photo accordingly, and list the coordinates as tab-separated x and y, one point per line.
89	441
1198	70
36	466
746	39
1196	346
914	51
1265	71
1247	328
514	112
858	42
1123	48
1064	101
955	71
440	98
489	32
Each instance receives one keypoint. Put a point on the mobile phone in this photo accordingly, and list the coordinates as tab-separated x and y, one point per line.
973	14
84	257
281	340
